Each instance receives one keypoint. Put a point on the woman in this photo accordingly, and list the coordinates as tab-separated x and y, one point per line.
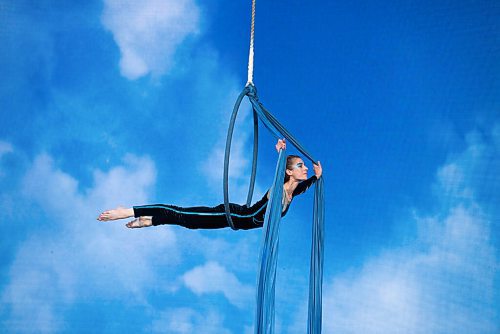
296	183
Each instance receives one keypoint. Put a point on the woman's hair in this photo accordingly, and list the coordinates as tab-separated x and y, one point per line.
290	161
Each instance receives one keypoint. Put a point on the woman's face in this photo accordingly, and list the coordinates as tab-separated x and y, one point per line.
299	170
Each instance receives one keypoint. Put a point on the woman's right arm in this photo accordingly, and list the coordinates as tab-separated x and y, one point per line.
280	145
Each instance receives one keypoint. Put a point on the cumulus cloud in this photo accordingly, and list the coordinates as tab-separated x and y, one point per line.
421	291
240	155
186	320
213	278
5	148
444	281
149	32
74	257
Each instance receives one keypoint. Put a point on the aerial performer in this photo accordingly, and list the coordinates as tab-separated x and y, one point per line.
290	180
244	217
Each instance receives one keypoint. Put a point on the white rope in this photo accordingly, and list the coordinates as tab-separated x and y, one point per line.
250	53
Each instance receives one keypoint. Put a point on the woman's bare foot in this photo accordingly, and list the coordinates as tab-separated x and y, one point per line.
143	221
118	213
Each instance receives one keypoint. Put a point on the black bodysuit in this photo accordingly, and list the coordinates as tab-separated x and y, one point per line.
243	217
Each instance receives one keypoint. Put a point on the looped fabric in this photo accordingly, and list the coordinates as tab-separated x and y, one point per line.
264	317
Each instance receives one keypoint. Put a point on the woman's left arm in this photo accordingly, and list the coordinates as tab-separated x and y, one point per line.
304	185
318	170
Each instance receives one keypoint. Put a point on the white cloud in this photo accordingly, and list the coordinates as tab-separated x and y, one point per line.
35	186
420	288
213	278
240	156
187	321
149	32
5	148
442	282
32	288
73	256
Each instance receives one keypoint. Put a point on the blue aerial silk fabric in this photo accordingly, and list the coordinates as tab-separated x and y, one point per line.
264	317
266	282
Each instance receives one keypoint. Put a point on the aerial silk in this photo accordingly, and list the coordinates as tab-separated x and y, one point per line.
264	317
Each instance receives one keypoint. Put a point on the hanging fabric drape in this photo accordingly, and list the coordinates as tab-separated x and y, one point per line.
264	321
266	283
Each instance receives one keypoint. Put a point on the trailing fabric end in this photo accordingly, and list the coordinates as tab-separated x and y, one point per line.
264	315
316	270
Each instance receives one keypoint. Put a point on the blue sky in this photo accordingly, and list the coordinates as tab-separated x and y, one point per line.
107	103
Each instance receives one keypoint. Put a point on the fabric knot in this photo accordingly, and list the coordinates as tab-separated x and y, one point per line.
252	92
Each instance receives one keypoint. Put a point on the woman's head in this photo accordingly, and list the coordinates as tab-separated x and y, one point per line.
295	168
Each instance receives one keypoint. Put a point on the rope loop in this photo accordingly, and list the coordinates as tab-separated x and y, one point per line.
250	91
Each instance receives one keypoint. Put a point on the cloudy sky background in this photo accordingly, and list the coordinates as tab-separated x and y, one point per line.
107	103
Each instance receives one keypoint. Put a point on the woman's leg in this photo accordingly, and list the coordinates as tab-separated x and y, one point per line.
199	217
118	213
144	221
